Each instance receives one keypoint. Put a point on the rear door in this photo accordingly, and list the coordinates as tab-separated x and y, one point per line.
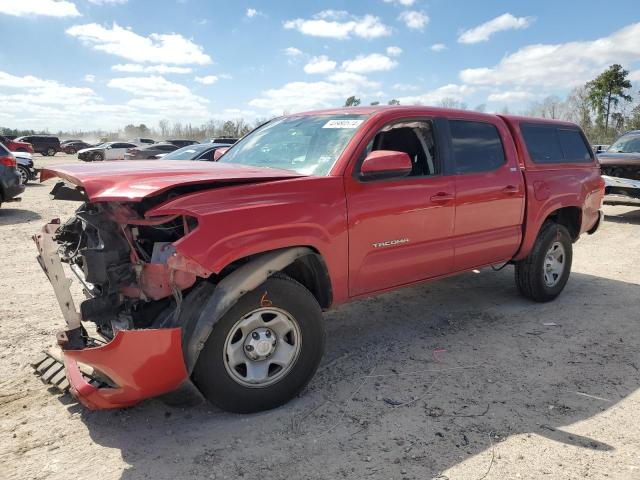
400	228
489	193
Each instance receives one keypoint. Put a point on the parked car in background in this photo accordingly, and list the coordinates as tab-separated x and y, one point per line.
63	142
47	145
15	145
622	158
10	181
149	151
228	140
202	151
105	151
181	143
142	141
74	146
25	166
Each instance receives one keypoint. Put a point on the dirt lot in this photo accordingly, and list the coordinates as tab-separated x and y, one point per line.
460	379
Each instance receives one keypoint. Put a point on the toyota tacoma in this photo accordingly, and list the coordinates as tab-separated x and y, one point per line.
211	277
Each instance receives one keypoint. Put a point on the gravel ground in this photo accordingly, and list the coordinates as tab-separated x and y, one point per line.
459	379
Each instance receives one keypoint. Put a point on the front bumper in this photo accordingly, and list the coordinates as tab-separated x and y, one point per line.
138	364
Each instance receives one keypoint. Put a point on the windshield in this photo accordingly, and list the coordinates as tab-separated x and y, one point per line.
309	144
626	144
186	153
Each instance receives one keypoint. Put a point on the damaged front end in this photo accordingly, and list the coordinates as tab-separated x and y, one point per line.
133	281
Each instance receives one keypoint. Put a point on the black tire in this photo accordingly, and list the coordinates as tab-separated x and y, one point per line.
24	175
217	384
44	153
530	272
97	157
51	152
71	151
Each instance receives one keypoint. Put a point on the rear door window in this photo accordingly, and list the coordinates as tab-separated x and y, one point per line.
477	146
551	144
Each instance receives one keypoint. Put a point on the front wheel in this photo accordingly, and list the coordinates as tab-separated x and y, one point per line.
543	274
51	152
264	350
97	157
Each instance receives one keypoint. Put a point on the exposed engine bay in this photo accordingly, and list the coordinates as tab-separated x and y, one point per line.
124	264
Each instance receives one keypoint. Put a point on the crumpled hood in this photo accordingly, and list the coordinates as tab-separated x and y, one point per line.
134	180
613	158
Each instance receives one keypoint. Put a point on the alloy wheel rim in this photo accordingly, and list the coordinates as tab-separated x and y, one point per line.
554	264
24	178
262	347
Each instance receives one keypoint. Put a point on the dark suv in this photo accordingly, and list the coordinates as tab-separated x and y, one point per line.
47	145
10	182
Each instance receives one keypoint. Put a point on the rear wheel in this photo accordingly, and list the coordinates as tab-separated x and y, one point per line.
97	157
545	272
44	153
71	151
24	175
51	152
264	350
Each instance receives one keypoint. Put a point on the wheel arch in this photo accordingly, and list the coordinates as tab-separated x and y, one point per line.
304	264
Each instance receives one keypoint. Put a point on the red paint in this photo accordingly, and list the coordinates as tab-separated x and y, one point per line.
386	161
15	145
134	180
141	363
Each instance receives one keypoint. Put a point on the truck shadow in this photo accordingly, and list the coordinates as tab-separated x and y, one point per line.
631	217
415	381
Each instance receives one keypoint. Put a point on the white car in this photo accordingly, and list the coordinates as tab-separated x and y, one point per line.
105	151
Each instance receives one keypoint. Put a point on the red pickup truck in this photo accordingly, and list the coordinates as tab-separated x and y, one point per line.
212	276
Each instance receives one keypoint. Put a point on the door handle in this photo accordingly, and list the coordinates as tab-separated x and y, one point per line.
442	197
511	189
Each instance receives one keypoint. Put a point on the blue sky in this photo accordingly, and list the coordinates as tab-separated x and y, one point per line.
87	64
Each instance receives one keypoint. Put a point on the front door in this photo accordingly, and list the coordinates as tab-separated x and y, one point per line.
400	228
489	194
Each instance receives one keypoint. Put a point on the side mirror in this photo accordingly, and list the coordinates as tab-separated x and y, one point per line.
219	152
385	164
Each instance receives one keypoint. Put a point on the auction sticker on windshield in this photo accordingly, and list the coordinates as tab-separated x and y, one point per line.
342	124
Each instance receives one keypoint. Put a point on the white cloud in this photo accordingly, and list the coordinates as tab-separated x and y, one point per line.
404	87
394	51
89	78
169	48
207	79
560	65
404	3
510	96
450	91
482	32
36	103
321	64
108	2
339	25
136	68
438	47
292	52
298	96
634	77
369	63
50	8
252	12
414	19
162	98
